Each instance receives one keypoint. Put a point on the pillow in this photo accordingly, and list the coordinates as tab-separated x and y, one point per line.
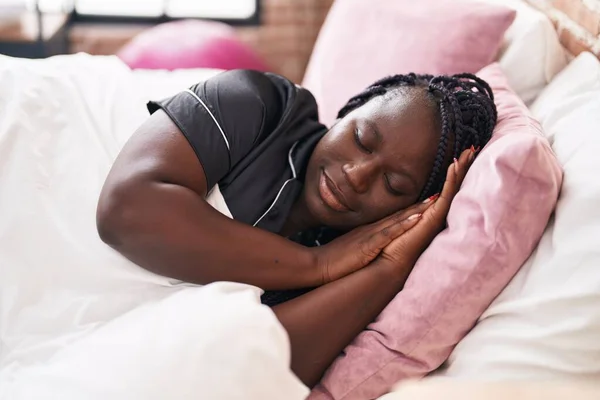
494	224
545	325
360	43
190	44
531	54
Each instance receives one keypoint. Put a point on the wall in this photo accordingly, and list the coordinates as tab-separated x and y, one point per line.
577	22
289	30
284	39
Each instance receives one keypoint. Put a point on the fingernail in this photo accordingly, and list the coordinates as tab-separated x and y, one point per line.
431	198
414	216
472	149
477	149
455	160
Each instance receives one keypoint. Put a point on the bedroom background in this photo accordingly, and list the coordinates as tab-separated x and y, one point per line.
281	33
282	36
80	109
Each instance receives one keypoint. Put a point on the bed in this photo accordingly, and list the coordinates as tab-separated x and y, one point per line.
76	317
65	295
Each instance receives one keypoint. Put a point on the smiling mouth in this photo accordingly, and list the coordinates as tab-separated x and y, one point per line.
331	195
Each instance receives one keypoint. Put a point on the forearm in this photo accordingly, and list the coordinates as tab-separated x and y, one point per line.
323	322
170	230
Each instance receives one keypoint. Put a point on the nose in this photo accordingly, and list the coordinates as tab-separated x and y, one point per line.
360	174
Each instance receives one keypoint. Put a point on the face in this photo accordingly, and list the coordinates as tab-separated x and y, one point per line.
374	161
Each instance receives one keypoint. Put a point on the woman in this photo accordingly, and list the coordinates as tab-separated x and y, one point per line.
305	207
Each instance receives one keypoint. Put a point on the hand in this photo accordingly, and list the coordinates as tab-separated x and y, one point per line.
357	248
403	252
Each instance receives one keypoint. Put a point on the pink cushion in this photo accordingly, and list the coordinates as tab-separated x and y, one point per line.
361	42
495	222
190	44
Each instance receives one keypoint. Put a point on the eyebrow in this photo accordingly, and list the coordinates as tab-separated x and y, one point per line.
373	126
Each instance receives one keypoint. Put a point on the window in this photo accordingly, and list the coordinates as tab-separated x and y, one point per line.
154	10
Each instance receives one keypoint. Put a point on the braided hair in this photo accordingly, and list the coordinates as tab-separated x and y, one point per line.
466	109
467	114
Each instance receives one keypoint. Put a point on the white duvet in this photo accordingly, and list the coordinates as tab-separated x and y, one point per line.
77	320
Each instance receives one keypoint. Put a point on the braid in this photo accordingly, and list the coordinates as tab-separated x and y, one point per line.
438	163
466	109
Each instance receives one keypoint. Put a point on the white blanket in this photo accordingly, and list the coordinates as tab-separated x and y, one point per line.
77	320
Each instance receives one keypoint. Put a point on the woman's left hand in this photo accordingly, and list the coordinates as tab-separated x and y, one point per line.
403	252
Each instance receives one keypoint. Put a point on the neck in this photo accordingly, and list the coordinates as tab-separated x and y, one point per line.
299	219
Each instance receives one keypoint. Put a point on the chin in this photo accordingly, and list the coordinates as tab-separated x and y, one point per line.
316	208
328	217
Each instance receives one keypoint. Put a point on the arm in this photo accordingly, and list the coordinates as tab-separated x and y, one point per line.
322	322
152	210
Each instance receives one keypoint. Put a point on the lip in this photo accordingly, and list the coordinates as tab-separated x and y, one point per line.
331	194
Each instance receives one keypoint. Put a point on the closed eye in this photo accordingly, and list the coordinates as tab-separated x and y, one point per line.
390	188
359	143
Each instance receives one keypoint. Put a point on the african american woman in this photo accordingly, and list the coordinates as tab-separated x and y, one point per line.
235	179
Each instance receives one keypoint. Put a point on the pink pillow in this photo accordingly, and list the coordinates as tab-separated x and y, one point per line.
495	222
190	44
363	41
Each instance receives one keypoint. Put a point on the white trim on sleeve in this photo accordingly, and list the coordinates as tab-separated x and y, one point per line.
212	116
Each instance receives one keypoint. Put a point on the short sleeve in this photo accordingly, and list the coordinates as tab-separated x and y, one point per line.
224	117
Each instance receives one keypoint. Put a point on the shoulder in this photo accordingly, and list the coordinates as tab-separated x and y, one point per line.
248	86
267	87
239	96
267	98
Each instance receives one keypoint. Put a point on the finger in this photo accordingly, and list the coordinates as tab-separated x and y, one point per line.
379	240
464	156
403	246
450	184
467	157
462	166
417	208
442	205
465	162
454	177
472	152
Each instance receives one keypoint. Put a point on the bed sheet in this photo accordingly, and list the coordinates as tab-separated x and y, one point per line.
77	320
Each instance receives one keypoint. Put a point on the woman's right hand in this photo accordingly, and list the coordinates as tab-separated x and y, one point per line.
386	238
359	247
402	253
